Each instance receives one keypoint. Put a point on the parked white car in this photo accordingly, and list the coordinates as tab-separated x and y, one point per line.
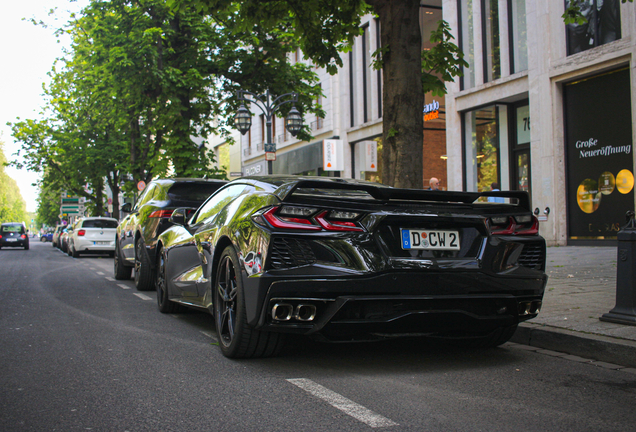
93	235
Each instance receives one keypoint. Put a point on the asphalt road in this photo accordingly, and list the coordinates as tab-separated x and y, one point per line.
81	351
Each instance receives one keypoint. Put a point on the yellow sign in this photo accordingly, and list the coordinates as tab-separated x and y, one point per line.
625	181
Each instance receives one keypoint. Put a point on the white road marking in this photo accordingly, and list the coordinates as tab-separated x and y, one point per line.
100	273
210	335
142	296
110	279
345	405
122	286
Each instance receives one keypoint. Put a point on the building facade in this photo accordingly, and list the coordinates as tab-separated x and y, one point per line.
546	108
353	117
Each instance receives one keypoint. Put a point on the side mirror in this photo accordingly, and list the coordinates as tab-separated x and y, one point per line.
126	207
179	216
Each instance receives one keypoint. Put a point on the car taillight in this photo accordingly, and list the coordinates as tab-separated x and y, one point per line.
23	236
161	214
309	219
513	225
81	232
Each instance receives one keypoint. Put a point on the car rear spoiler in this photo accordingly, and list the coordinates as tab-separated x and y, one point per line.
386	194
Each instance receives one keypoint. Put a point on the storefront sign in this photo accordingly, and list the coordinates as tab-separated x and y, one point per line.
523	124
433	106
333	155
600	180
370	156
431	111
255	169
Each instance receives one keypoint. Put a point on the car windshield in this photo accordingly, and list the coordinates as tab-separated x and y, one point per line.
192	191
99	223
12	228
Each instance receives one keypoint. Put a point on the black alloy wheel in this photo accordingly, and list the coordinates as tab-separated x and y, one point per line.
163	301
236	338
143	272
122	272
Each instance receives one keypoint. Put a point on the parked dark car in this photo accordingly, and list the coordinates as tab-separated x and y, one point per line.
135	246
14	234
345	260
57	233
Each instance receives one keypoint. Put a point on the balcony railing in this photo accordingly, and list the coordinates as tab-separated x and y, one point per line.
247	151
317	124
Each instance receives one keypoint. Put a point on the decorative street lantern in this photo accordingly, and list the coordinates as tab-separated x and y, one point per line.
294	121
243	118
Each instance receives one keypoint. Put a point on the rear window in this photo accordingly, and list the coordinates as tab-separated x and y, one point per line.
12	228
99	223
193	191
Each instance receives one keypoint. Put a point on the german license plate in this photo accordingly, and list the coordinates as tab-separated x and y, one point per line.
100	242
429	239
12	240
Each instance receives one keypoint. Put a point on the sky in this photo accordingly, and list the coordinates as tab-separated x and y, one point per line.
27	53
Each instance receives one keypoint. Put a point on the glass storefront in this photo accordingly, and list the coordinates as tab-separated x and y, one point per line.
482	138
600	161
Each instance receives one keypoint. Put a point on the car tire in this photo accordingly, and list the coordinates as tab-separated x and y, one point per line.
144	280
163	300
42	239
73	252
236	338
122	272
26	247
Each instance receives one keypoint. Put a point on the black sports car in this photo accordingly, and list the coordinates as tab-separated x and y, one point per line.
137	233
345	260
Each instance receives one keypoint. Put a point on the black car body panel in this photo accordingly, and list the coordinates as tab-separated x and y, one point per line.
341	272
13	234
150	216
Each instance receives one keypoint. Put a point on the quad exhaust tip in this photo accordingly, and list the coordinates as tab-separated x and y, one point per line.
286	312
529	308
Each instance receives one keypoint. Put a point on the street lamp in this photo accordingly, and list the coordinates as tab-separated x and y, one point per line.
243	118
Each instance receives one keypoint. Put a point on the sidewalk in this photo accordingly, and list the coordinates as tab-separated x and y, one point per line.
581	288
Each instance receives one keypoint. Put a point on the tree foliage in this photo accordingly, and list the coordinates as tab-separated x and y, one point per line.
138	83
325	28
12	206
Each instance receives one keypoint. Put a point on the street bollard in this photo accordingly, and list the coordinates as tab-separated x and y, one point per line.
625	310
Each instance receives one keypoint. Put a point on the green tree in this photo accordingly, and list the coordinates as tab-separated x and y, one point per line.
138	83
324	28
12	206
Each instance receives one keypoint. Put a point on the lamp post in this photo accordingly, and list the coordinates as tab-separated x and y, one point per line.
243	118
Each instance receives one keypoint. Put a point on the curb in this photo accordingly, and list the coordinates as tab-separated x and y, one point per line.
603	348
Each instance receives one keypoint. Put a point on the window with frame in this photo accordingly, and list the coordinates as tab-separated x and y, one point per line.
518	35
603	25
467	41
490	38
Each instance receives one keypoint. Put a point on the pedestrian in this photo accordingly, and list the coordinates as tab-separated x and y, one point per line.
494	187
433	184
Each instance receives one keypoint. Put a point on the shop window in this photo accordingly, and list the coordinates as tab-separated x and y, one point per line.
484	129
518	35
603	25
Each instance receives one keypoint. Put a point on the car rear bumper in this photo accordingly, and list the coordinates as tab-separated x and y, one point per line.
93	246
449	303
18	243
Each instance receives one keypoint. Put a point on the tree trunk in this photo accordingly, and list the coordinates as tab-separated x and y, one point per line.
403	122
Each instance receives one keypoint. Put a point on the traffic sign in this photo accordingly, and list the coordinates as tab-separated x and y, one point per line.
270	156
270	147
